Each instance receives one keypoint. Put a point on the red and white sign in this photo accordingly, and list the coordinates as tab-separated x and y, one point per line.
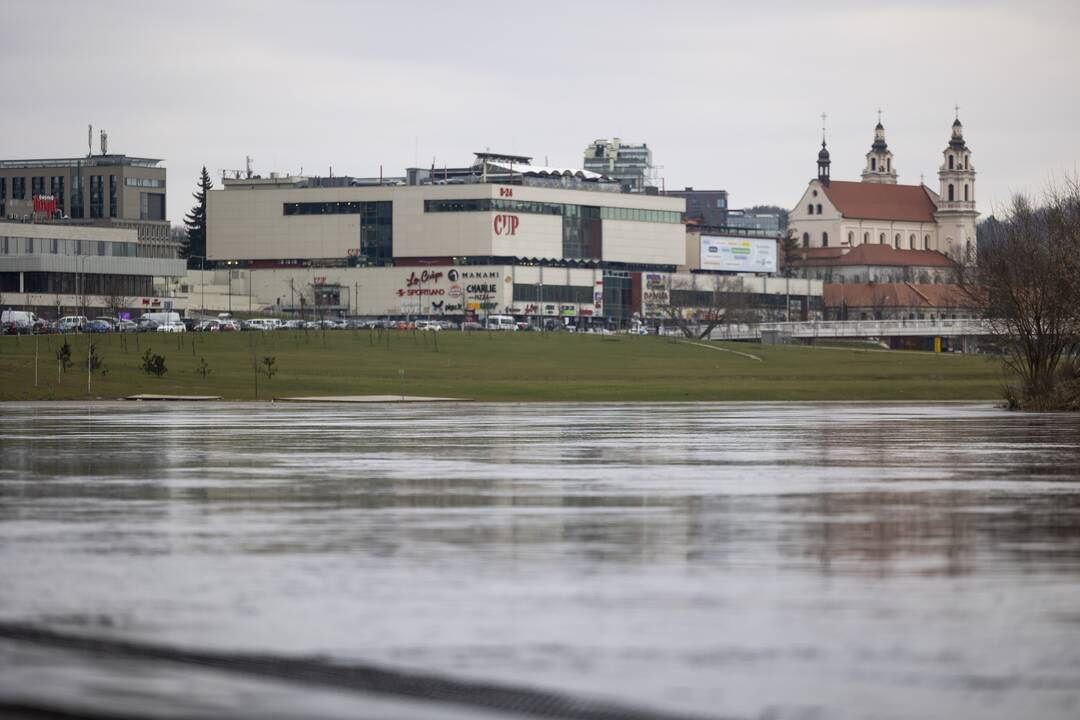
45	204
506	224
506	192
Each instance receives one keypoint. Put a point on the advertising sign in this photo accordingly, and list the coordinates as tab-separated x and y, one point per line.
738	254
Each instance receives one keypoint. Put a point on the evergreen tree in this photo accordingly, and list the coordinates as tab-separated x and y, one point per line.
195	220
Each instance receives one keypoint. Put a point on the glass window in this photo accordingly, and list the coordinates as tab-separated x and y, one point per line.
114	203
18	188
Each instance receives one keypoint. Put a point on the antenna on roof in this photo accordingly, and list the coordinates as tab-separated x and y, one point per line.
247	164
89	140
104	143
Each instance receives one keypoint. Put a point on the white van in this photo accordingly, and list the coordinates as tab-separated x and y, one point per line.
501	322
20	318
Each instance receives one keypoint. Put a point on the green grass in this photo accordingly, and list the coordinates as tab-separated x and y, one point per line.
489	366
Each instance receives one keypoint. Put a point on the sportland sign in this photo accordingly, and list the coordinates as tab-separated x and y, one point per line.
45	204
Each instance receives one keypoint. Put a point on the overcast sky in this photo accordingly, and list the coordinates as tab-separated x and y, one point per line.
728	95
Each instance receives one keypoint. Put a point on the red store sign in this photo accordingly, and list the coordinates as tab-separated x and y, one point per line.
506	224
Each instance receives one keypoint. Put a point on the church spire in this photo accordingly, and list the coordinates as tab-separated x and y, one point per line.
879	168
823	161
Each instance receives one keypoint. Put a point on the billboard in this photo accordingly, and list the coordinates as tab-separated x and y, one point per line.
738	254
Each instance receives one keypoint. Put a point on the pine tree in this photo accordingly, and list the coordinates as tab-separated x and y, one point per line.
195	220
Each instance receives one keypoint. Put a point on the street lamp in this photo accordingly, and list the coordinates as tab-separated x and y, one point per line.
202	282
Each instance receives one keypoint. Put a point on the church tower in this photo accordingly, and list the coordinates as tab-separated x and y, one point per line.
823	163
879	167
956	208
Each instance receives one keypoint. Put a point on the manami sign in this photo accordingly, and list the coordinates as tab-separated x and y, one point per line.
738	254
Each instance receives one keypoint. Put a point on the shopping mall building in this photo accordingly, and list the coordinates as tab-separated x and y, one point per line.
499	236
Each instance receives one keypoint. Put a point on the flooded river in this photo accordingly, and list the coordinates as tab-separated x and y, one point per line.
715	560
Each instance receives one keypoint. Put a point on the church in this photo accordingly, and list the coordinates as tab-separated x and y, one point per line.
879	211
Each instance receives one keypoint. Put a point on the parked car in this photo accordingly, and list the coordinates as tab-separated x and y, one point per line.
501	322
147	325
428	325
228	326
97	326
171	326
293	325
126	326
18	322
70	323
208	326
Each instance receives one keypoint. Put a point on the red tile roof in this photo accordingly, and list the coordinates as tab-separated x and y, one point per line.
915	295
871	254
876	201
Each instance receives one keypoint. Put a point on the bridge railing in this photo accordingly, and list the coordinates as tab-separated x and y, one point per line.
853	328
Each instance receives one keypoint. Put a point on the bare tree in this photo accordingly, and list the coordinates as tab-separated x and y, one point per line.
697	310
1025	283
116	302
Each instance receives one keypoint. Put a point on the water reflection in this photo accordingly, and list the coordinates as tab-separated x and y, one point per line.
624	549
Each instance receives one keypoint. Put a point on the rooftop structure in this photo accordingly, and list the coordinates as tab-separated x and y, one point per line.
628	164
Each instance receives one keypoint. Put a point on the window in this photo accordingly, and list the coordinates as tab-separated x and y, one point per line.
810	209
77	210
866	238
18	188
952	193
926	242
144	182
911	241
888	164
881	239
850	238
3	197
806	240
97	197
824	239
114	203
896	241
57	189
37	186
151	206
950	161
966	192
819	208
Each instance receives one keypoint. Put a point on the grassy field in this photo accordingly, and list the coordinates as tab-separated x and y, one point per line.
487	366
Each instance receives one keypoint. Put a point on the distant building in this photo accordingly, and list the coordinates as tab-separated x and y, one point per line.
767	222
631	165
116	191
62	268
705	207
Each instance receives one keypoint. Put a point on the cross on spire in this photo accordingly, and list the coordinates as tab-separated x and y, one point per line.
823	118
957	108
879	115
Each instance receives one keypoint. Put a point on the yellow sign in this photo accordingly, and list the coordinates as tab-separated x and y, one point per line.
937	344
472	306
